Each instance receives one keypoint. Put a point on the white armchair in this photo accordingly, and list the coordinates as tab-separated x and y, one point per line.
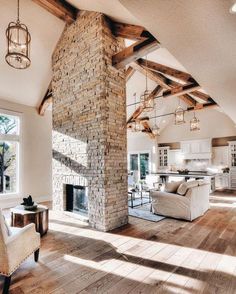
16	244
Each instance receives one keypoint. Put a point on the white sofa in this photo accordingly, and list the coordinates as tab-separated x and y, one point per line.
194	203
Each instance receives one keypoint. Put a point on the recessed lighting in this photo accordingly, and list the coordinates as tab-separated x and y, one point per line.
233	8
163	121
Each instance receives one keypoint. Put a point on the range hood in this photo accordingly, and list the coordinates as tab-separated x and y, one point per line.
196	149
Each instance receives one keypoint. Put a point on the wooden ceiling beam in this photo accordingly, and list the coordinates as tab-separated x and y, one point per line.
163	81
140	109
157	67
60	9
46	102
134	52
201	95
147	129
129	73
131	32
180	90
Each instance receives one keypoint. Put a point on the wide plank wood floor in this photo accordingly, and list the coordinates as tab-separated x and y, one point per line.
170	256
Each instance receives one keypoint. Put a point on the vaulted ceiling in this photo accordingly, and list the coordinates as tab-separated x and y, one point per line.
31	84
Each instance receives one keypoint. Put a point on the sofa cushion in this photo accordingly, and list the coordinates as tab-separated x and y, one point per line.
183	188
172	187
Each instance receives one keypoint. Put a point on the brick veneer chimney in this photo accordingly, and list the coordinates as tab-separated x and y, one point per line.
89	120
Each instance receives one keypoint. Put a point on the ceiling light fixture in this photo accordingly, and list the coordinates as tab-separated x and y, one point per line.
18	43
147	102
194	124
233	8
179	115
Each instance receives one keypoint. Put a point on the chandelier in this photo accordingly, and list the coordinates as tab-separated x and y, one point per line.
146	102
194	124
179	115
18	43
155	128
136	125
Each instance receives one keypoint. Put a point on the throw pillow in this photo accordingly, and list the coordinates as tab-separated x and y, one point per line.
172	187
182	190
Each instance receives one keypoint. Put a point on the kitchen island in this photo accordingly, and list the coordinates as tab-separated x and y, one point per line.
197	175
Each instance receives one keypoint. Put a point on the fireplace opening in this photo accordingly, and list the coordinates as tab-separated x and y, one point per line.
77	199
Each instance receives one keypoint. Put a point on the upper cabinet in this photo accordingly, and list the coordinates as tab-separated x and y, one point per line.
196	149
163	157
232	154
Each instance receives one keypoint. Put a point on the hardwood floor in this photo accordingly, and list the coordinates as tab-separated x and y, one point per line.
170	256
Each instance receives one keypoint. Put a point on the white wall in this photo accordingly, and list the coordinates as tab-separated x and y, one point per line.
35	162
213	124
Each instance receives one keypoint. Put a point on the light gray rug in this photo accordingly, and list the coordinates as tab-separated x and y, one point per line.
145	214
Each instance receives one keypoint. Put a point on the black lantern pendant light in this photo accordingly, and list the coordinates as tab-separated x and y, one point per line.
18	44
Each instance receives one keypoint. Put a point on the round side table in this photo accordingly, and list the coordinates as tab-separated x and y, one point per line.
21	217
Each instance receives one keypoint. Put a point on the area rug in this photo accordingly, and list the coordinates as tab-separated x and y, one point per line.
145	214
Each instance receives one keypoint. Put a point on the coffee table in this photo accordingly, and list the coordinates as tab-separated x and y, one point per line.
21	217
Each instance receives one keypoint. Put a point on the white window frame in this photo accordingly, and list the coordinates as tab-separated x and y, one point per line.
18	139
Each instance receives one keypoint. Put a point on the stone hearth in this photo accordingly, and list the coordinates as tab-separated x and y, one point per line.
89	120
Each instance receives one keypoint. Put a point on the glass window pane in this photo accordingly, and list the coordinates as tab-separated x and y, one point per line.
9	124
8	167
144	165
133	162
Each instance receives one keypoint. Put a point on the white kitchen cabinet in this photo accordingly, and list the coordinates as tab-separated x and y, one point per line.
196	149
232	164
222	181
163	157
220	156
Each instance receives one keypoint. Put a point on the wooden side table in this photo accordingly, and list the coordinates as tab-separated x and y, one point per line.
21	217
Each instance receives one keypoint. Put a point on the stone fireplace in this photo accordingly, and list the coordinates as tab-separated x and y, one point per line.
76	198
89	121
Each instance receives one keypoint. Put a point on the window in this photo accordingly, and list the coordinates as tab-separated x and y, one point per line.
9	152
139	162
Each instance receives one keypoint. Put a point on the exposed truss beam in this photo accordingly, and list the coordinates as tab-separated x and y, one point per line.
163	81
47	100
60	9
129	72
140	109
157	67
180	90
147	129
134	52
131	32
201	95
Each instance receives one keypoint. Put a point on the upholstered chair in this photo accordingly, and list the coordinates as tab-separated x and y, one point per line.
16	244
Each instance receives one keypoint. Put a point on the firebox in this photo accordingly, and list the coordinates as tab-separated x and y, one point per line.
77	199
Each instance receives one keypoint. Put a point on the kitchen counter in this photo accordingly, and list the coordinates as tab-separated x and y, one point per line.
192	174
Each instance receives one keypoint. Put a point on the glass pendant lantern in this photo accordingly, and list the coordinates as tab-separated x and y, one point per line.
146	102
136	126
18	44
194	124
179	115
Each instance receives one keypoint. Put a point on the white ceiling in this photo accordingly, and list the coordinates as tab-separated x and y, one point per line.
201	35
113	8
28	86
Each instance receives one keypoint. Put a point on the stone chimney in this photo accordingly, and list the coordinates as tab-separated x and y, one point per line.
89	120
